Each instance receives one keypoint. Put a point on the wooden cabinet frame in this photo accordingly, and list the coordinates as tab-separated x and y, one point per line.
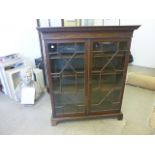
87	36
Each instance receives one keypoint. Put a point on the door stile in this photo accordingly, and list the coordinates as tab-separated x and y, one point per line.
125	70
86	77
89	76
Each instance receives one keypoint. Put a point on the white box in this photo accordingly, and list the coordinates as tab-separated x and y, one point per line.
13	78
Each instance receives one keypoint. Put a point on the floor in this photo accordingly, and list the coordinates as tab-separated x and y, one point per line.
137	108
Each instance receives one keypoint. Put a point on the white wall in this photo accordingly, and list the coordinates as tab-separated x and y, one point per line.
143	43
21	36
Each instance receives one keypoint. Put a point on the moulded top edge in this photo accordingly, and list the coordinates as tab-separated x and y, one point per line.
88	28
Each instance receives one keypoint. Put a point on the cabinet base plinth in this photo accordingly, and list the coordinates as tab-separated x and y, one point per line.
120	117
55	121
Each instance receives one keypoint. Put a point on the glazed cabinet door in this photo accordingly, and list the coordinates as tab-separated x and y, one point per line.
67	76
107	73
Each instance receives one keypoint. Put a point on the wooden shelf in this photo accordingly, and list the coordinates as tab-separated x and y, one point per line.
66	53
67	56
108	72
72	90
68	74
107	55
99	51
105	87
80	73
82	55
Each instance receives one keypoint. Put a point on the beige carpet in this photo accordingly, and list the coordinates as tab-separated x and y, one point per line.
152	119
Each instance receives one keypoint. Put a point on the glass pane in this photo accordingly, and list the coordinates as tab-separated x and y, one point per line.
67	72
66	48
107	72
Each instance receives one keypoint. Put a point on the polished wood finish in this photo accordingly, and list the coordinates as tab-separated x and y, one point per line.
88	29
118	115
87	35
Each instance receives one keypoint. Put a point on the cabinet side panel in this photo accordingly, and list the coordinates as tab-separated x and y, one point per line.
48	76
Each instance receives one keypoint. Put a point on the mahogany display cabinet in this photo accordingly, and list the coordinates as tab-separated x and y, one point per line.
86	70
